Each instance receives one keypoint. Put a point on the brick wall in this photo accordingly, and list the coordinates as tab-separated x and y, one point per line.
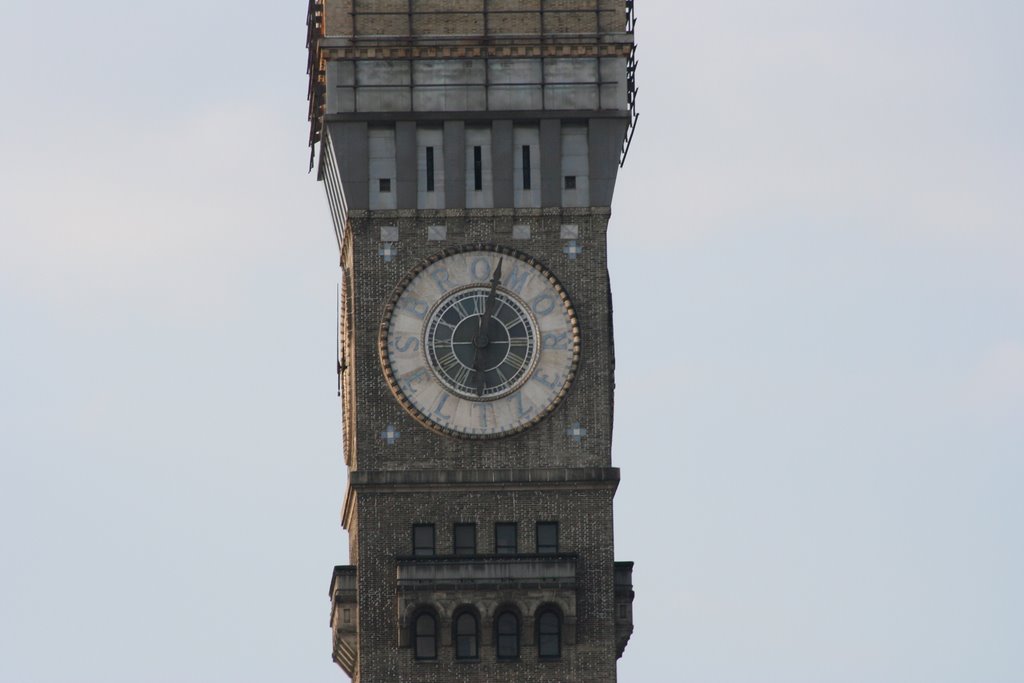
585	279
385	523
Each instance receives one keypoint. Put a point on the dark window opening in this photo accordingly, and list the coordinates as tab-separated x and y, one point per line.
547	538
527	180
570	182
425	636
430	169
467	636
423	539
505	541
465	539
385	184
549	635
508	636
478	168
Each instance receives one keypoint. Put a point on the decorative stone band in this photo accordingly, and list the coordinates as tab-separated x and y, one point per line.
530	479
341	48
470	573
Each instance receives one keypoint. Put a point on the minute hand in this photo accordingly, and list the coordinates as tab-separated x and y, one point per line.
480	341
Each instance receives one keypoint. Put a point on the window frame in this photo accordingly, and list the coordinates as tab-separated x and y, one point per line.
457	636
416	636
499	549
527	171
456	548
433	541
537	544
554	613
430	167
478	168
499	636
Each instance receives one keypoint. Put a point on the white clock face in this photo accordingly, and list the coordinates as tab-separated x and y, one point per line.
479	342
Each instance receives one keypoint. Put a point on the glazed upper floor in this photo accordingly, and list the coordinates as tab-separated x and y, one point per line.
467	21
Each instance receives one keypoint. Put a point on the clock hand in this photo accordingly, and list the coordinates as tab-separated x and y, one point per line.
480	341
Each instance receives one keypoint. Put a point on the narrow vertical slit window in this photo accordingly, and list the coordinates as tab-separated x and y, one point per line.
478	168
527	180
430	169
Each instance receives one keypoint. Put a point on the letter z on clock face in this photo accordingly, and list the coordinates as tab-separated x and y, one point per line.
479	342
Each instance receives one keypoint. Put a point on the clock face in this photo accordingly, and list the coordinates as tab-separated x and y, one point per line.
479	342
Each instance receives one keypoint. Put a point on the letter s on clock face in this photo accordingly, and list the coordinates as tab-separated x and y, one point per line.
479	342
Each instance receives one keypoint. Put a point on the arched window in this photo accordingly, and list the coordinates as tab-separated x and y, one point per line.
508	635
467	636
549	635
425	636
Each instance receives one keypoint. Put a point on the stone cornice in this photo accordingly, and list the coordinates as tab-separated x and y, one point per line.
529	479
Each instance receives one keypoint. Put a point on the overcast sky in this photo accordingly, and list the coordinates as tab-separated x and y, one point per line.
816	253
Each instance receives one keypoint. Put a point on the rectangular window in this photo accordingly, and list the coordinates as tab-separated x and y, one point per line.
423	540
570	182
505	538
430	169
478	168
547	538
527	180
385	185
465	539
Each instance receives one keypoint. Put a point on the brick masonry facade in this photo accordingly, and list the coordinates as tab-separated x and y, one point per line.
522	79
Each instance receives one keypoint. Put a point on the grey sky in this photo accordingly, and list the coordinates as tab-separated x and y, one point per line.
816	258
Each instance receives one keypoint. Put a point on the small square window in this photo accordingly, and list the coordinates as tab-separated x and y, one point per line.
505	541
547	538
570	182
423	539
465	539
385	184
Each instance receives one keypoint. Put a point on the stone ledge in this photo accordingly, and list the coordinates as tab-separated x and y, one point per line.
360	481
467	572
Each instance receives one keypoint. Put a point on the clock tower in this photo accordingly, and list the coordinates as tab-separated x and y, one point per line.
469	150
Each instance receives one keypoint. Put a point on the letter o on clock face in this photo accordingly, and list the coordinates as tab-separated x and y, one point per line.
479	342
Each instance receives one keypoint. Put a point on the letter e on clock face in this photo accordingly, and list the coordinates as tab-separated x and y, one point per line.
479	342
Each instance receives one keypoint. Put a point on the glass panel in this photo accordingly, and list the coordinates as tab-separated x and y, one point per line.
547	537
465	539
505	538
508	636
549	635
466	637
430	169
426	638
423	539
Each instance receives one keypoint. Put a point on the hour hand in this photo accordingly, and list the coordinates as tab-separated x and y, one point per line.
481	340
